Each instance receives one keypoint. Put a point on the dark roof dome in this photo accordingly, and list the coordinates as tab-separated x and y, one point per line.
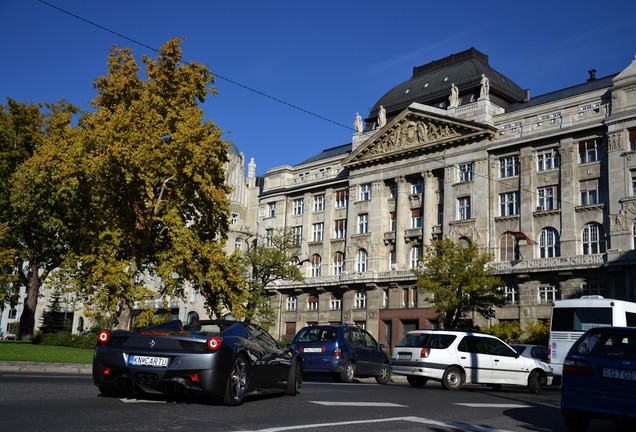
431	84
232	149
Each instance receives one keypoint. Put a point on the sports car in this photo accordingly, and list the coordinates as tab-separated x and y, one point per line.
221	359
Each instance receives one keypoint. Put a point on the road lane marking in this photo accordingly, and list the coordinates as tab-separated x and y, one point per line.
420	420
492	405
360	404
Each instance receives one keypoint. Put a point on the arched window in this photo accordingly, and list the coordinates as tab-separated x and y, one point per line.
464	242
316	262
549	243
508	248
362	260
80	325
592	239
338	263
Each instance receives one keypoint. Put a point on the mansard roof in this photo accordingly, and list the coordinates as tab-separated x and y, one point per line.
417	130
431	83
329	153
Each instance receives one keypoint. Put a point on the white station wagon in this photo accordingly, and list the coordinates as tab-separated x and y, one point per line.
456	358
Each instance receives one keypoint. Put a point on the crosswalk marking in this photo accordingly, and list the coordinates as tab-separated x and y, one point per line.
492	405
359	404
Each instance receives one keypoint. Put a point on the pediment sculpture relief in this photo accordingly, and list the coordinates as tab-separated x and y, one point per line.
409	134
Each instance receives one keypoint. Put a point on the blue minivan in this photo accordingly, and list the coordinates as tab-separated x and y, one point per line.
343	351
599	378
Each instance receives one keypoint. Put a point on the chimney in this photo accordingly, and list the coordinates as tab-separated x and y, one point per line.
592	73
526	95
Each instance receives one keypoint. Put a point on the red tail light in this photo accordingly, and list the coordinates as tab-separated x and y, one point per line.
215	342
106	371
424	352
337	352
577	367
194	377
103	337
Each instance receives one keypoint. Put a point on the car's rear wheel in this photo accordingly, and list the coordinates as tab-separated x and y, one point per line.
536	381
348	373
453	379
237	382
575	421
385	375
295	379
417	382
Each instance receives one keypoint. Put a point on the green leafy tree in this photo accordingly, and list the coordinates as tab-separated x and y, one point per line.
267	260
30	203
537	333
507	331
151	195
460	281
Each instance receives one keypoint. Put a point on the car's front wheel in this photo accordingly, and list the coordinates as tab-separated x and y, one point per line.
385	375
416	381
536	381
453	378
237	382
295	379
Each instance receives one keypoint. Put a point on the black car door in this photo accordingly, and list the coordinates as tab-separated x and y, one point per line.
272	363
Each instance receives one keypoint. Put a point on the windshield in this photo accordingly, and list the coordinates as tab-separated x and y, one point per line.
580	319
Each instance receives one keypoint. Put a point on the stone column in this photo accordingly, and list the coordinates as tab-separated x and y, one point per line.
402	214
429	206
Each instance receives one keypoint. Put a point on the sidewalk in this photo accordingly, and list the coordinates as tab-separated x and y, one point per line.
40	367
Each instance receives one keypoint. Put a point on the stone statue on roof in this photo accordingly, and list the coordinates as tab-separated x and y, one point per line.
485	87
454	97
381	117
357	124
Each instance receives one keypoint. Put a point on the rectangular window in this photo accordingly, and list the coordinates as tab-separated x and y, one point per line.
318	231
365	192
547	160
547	294
592	289
632	139
589	151
392	221
509	204
335	303
509	166
340	228
297	234
385	299
298	206
363	223
269	236
416	218
633	184
312	303
271	209
546	198
290	305
319	203
393	190
511	294
341	199
417	187
466	172
463	207
589	192
360	301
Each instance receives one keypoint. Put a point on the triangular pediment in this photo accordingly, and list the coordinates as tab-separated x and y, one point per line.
415	131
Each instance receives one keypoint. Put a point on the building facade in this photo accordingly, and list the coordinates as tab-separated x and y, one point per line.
547	185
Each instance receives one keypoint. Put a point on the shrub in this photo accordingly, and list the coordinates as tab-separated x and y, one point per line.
65	339
507	331
537	333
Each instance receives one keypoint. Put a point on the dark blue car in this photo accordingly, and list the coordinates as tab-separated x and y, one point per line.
599	377
343	351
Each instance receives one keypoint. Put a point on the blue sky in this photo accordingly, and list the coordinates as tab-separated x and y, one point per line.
329	58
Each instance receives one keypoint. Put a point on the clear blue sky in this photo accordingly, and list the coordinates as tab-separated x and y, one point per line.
330	58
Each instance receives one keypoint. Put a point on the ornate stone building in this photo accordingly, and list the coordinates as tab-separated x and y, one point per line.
547	185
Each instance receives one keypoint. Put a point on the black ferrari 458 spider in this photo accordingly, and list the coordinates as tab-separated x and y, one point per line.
222	359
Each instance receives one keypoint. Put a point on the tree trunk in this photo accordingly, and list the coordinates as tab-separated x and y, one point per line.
27	317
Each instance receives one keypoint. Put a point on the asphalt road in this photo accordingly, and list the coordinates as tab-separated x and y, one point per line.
33	400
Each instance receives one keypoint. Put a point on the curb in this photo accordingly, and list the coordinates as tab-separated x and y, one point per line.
69	368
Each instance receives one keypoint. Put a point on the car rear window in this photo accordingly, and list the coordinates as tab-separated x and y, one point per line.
316	334
607	344
426	340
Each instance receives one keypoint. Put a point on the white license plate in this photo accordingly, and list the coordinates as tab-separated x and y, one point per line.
313	349
619	374
404	356
148	361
